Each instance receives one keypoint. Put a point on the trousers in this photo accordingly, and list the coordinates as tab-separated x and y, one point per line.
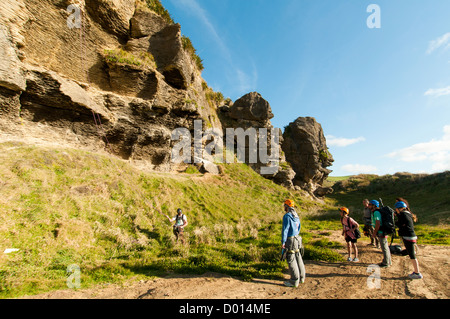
295	260
386	251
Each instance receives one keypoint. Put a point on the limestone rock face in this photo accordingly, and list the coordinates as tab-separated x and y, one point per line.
113	15
305	147
122	81
164	43
11	74
146	23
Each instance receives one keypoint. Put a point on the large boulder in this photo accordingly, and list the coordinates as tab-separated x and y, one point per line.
146	23
250	112
251	107
305	148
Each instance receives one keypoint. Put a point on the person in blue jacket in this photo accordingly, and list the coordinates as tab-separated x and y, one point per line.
292	243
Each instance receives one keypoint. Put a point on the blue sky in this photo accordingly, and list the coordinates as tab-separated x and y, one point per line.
382	94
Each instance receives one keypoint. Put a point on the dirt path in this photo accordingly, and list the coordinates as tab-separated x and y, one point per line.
324	280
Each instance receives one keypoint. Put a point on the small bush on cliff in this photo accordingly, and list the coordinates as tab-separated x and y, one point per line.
158	8
189	47
124	57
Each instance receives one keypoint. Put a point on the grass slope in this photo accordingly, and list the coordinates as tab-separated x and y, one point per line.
64	207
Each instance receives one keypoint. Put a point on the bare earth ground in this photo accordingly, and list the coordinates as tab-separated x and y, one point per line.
345	280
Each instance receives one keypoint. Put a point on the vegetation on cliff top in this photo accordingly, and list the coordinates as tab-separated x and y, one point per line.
158	8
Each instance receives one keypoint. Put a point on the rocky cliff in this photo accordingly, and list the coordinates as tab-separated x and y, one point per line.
122	79
116	76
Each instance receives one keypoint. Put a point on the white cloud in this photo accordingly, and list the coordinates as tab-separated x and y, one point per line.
341	141
438	92
439	42
359	169
436	152
195	9
246	82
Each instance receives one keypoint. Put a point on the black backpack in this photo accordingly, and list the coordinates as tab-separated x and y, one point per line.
387	219
356	231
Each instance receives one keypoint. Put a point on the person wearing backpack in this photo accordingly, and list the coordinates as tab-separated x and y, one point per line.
368	227
292	243
377	223
180	222
349	231
405	223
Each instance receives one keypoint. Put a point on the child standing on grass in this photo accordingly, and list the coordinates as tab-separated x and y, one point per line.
348	231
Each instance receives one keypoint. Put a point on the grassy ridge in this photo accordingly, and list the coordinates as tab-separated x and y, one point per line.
64	207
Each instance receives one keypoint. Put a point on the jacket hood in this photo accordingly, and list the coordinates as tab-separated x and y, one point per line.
292	212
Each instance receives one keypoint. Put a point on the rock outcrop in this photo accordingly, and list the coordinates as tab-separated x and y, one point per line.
305	148
121	82
116	76
252	111
113	15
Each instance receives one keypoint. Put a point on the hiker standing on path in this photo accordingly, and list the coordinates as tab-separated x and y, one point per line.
349	226
374	205
292	242
368	227
180	222
405	225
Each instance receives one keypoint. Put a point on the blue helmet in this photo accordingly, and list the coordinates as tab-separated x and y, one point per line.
375	202
400	205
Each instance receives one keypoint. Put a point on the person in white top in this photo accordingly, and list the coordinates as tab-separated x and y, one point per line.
180	222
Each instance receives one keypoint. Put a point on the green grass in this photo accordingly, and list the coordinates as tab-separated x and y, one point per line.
119	56
63	207
189	47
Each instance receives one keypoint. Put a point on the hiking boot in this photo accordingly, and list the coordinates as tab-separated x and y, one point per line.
290	284
349	259
381	265
415	276
355	260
